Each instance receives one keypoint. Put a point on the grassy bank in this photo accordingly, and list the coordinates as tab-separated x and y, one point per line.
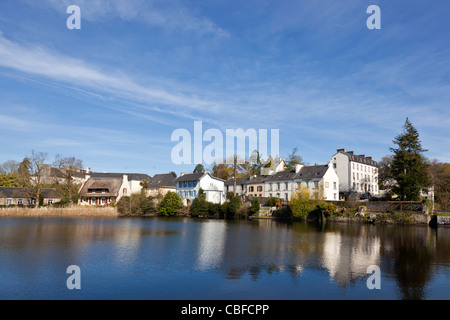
59	212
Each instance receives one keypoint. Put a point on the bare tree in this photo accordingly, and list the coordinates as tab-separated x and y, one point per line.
36	162
10	166
68	166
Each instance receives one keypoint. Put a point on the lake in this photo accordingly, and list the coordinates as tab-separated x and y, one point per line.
185	258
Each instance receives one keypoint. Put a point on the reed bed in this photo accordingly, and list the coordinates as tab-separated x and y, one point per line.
59	212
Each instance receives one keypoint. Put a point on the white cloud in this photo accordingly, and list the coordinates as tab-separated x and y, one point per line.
166	14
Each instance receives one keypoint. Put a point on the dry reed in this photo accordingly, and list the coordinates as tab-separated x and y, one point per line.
59	212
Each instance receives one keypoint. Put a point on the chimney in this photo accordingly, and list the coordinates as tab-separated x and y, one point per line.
182	174
362	155
206	171
350	152
341	150
88	170
370	158
298	167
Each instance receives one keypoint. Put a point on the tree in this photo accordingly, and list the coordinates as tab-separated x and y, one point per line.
385	176
292	159
68	166
144	184
36	162
300	203
222	171
23	173
199	207
174	174
10	166
255	206
170	204
9	180
409	168
199	168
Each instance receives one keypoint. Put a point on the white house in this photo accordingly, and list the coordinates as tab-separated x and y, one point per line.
105	188
322	181
188	187
357	173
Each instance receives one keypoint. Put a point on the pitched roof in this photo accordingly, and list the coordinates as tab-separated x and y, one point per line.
358	158
245	180
111	184
163	180
195	177
9	192
131	176
312	172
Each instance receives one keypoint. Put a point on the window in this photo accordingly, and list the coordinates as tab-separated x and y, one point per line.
335	196
354	186
334	165
335	185
357	176
251	189
286	186
353	176
327	184
124	190
259	189
50	201
278	186
9	202
20	202
270	186
286	197
353	165
103	201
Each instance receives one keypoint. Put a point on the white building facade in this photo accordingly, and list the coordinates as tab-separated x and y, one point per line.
357	174
188	187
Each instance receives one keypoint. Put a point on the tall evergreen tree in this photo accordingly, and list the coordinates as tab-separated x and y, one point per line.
409	167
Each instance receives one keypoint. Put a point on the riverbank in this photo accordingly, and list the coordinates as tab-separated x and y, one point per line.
59	212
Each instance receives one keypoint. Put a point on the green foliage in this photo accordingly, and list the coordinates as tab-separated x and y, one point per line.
9	180
271	201
199	207
300	203
293	159
231	207
170	204
199	168
255	206
409	168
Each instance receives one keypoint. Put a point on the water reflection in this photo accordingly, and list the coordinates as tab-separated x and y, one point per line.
414	260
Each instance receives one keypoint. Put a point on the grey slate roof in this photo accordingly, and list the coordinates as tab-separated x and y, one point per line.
163	180
9	192
131	176
358	158
195	177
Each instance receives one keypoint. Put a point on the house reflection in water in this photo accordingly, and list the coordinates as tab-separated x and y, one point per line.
347	258
211	245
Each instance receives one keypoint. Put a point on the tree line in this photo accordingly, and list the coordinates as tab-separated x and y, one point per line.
33	174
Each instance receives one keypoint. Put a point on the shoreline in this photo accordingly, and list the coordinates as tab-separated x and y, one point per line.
110	212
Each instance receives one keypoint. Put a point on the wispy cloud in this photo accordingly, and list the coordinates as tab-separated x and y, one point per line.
169	15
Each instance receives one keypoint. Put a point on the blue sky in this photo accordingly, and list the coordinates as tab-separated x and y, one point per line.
113	92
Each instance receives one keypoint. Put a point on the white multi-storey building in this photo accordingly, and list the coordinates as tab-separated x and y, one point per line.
357	173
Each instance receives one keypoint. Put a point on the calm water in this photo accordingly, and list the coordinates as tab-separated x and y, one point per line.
159	258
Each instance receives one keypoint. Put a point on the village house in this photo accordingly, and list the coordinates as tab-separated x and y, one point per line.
357	174
321	180
105	188
161	184
247	186
27	196
189	185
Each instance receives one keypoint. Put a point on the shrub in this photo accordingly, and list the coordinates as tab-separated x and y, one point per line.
255	206
199	207
170	204
136	205
300	203
271	201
